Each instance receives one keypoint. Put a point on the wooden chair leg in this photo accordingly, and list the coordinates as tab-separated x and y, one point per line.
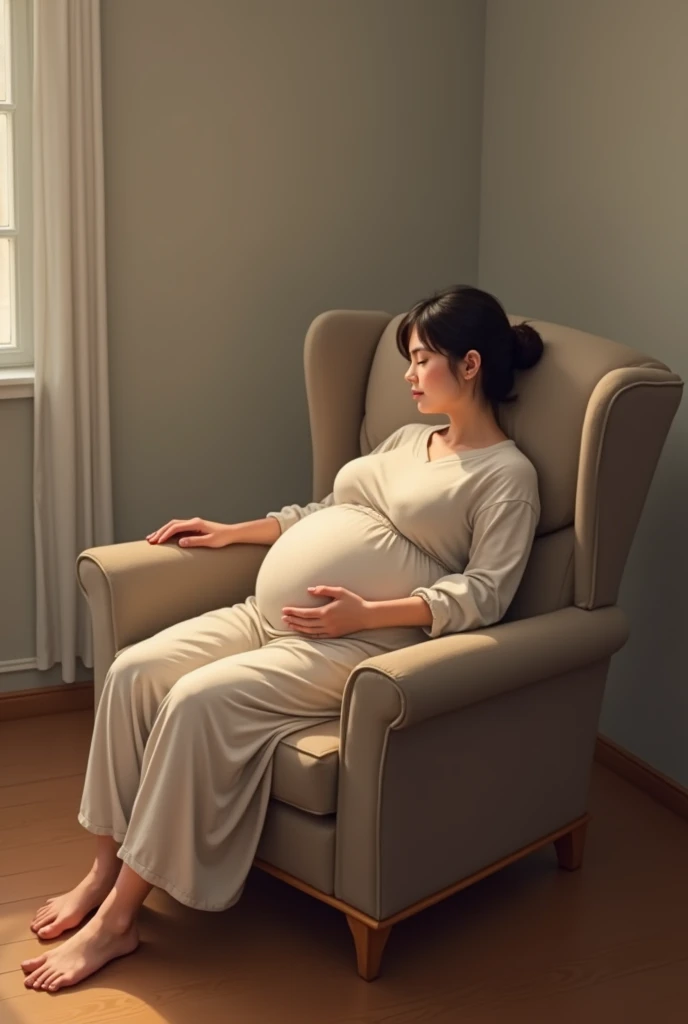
370	944
570	848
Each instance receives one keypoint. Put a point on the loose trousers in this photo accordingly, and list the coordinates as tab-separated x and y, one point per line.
180	766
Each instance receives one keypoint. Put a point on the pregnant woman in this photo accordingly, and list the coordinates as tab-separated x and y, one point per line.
428	534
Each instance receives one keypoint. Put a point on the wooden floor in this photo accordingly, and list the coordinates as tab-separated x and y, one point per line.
531	944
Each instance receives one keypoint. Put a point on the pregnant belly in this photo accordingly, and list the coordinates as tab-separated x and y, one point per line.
339	546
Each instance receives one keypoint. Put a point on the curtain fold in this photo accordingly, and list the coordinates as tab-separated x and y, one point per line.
72	462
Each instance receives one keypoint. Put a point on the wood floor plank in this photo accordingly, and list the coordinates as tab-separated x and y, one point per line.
31	749
19	1005
41	770
64	865
56	825
60	792
59	848
631	997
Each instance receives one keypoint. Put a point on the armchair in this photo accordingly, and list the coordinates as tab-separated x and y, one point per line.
457	756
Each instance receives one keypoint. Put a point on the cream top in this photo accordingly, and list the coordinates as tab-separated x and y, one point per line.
468	519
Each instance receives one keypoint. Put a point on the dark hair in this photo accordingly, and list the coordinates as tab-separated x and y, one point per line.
461	318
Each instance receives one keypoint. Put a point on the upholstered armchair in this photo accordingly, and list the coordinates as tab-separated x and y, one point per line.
459	755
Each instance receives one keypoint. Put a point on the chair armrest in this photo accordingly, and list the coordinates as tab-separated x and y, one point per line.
460	751
435	677
136	589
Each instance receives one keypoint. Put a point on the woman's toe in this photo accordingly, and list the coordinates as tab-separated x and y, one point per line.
42	976
42	921
33	977
34	963
42	910
49	931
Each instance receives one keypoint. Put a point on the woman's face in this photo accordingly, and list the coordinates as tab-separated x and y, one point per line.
431	374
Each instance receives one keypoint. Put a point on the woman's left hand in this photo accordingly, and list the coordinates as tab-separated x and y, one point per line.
346	613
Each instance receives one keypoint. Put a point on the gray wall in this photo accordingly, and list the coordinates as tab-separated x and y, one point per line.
584	221
264	161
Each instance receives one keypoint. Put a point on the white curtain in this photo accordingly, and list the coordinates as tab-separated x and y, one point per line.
72	470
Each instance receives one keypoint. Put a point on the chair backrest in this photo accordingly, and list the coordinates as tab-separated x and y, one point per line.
592	416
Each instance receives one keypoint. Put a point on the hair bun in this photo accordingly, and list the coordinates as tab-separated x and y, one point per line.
528	346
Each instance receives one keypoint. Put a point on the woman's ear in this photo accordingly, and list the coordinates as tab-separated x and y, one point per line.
471	365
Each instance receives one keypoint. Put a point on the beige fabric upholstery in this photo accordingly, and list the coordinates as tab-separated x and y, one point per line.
628	417
301	844
306	768
466	748
421	808
547	583
485	663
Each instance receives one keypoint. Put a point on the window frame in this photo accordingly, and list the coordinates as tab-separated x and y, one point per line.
20	18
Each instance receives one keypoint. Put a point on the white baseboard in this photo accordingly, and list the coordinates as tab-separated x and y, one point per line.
18	665
23	674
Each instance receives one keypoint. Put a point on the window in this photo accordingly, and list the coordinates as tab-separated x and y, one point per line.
16	340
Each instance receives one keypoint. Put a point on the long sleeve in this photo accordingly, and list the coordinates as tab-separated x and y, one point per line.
291	514
479	596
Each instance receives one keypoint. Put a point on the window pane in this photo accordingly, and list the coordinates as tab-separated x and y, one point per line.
4	170
7	334
4	63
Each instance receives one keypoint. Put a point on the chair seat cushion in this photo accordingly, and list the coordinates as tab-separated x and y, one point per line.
306	768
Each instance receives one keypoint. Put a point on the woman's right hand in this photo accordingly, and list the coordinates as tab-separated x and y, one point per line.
201	533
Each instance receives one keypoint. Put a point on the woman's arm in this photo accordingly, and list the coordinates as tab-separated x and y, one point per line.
291	514
404	611
480	595
256	531
501	543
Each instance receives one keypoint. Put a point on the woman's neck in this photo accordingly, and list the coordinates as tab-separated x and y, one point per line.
475	427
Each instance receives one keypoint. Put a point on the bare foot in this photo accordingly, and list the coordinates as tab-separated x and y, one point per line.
67	911
80	955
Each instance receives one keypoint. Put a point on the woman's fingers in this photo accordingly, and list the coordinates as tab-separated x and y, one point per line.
198	540
171	528
168	531
202	533
156	534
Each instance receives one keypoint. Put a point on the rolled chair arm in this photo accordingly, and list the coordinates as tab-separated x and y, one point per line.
135	589
409	685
